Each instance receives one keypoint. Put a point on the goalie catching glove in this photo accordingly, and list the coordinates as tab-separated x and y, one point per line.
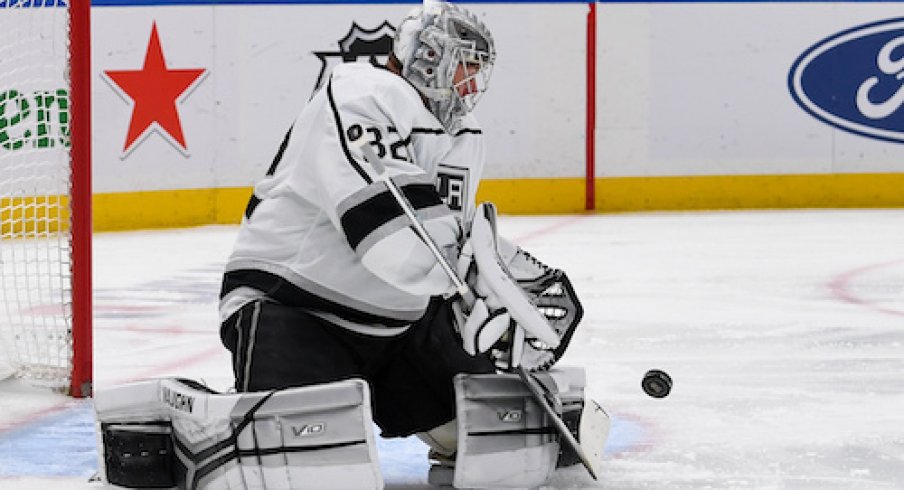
524	312
551	292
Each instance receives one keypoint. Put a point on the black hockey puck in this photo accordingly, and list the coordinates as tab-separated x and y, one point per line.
656	383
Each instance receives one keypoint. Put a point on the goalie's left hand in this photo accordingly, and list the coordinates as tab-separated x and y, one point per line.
480	325
501	306
504	277
484	318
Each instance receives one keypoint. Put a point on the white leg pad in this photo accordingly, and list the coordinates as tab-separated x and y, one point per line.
317	437
504	438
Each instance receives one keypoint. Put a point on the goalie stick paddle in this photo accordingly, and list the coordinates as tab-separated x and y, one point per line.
570	441
464	290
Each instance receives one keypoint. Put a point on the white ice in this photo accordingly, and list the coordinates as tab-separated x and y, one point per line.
782	330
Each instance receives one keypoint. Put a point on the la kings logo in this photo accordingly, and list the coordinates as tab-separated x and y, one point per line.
359	44
452	186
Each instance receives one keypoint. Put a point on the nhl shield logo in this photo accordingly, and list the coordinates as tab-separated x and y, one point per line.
359	44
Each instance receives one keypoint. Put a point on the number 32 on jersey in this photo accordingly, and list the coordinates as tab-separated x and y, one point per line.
389	145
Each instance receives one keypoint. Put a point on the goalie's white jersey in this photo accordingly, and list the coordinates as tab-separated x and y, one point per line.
321	232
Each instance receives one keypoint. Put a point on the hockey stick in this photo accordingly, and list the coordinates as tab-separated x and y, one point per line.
468	296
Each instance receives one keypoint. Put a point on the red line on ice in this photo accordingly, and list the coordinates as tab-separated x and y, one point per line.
156	329
549	229
839	287
32	417
35	416
157	371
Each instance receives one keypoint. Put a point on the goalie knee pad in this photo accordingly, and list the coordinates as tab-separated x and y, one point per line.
170	433
505	440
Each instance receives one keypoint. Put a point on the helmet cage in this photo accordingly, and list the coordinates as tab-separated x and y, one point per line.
449	38
468	91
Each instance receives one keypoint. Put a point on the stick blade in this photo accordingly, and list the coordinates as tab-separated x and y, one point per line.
593	432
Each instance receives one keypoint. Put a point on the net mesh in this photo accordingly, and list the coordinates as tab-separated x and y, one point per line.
35	264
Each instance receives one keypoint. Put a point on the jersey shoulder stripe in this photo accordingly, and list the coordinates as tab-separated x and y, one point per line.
367	215
469	131
428	131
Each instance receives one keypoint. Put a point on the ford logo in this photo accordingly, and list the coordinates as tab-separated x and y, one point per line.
854	80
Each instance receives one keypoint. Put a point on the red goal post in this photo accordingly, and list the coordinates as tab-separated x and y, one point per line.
45	193
81	382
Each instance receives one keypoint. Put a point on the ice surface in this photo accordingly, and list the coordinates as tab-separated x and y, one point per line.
783	332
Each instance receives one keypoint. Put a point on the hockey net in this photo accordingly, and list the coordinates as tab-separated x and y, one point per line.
45	288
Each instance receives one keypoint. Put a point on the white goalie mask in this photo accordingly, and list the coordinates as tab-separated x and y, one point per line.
432	43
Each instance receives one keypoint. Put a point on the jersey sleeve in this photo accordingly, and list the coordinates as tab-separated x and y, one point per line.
361	207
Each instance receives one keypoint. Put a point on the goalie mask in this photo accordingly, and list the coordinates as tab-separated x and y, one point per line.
434	42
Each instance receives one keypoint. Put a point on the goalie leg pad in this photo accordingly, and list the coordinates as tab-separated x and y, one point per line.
317	436
504	438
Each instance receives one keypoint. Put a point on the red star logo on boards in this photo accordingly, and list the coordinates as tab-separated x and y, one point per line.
154	90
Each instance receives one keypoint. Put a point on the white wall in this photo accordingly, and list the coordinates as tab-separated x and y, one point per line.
261	68
683	89
702	89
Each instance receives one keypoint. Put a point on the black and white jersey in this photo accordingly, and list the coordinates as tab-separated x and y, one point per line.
321	232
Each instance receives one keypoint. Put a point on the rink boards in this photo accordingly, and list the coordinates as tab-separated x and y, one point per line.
691	106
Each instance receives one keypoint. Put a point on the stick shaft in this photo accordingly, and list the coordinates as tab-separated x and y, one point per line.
415	222
566	434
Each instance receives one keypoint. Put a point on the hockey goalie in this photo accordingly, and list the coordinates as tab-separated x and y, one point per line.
362	292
